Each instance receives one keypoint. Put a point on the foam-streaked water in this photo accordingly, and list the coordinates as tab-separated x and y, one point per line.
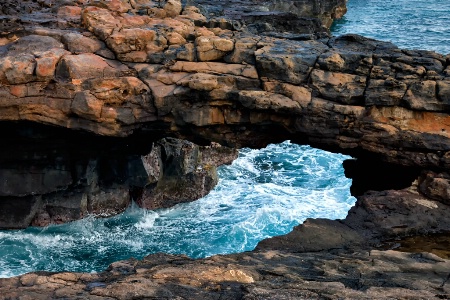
412	24
263	193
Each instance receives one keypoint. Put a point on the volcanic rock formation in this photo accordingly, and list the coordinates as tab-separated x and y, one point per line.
128	69
53	176
249	276
109	68
120	75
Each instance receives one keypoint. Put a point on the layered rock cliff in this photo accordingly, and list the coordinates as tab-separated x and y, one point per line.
125	72
119	73
151	69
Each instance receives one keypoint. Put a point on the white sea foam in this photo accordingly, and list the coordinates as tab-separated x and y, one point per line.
263	193
148	221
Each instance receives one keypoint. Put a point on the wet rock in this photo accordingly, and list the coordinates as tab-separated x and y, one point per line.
18	212
377	217
436	186
394	214
315	235
57	179
256	275
349	94
133	72
187	172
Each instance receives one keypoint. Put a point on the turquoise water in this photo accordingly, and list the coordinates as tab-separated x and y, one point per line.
263	193
413	24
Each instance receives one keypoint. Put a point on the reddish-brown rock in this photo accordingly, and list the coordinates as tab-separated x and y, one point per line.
137	71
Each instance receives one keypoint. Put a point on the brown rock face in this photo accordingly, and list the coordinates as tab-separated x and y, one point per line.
261	275
147	67
152	69
347	94
108	79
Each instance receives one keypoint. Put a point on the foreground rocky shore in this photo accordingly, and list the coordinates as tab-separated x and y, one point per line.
89	88
258	275
320	259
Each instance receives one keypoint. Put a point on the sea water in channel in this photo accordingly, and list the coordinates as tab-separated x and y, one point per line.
262	194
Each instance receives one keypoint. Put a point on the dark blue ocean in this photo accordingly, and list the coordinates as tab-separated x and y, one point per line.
263	193
413	24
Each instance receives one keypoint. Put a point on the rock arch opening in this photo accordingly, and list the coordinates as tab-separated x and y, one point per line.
264	193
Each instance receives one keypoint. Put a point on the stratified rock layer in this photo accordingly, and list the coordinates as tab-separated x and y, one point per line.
132	68
264	275
142	70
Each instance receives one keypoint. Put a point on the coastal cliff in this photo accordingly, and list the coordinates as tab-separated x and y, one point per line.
99	67
121	75
49	176
144	71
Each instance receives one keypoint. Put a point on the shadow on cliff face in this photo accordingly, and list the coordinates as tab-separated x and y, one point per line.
53	175
266	192
369	173
53	172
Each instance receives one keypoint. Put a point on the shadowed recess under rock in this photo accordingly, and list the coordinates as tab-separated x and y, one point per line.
52	175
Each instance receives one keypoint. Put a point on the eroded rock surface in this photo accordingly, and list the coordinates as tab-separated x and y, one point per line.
377	217
273	17
142	70
51	176
130	67
257	275
126	69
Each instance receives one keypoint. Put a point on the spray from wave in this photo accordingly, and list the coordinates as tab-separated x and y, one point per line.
263	193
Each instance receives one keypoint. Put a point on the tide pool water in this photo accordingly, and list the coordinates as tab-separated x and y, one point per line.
412	24
262	194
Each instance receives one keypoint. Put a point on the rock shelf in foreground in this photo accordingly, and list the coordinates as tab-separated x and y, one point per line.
250	276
